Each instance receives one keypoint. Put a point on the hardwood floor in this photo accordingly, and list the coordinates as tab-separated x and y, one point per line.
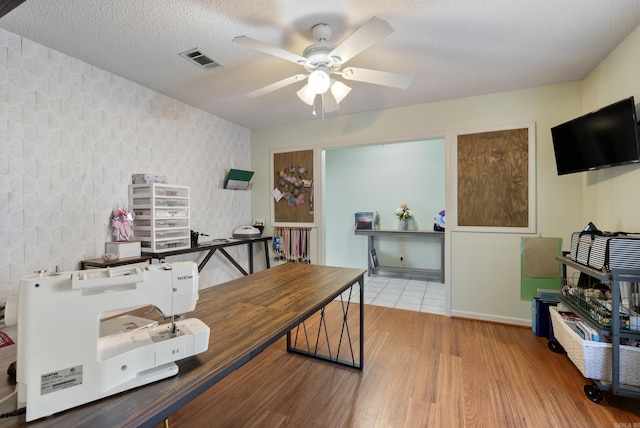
421	370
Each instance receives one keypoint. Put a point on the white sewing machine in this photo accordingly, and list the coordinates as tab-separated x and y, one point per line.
62	360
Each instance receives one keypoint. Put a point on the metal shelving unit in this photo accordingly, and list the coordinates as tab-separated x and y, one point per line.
606	327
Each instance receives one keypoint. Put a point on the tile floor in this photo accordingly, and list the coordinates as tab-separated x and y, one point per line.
401	293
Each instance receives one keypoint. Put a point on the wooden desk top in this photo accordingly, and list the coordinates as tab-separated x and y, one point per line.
245	316
208	245
102	263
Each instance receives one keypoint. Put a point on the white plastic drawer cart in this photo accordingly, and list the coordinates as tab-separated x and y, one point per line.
161	221
611	366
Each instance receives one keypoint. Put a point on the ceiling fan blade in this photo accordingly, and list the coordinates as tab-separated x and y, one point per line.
384	78
369	34
329	103
277	85
271	50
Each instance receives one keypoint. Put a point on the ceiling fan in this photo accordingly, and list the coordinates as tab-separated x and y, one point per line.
323	62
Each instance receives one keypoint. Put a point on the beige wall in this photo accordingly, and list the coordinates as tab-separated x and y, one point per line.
483	275
612	196
484	268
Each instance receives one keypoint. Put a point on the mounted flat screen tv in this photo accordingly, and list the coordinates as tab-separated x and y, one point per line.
600	139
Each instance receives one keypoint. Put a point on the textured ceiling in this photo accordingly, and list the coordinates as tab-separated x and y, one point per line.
452	48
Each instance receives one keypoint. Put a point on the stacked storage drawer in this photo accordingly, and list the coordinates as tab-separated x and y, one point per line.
161	219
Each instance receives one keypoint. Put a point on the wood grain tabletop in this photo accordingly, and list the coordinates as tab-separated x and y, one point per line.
245	316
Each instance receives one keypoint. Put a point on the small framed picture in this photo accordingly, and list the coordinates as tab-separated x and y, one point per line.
364	220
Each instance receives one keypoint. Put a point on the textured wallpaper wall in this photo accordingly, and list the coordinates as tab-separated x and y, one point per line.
71	135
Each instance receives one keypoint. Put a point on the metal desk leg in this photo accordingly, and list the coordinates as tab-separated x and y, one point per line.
361	283
309	344
233	262
266	254
206	259
442	260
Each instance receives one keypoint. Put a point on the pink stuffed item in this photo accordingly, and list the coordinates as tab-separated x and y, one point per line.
122	222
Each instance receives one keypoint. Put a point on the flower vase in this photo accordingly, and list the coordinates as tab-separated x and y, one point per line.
403	224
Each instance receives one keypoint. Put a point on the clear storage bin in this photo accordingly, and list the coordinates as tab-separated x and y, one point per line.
173	244
172	192
171	233
141	201
137	191
162	233
141	213
161	202
171	212
173	222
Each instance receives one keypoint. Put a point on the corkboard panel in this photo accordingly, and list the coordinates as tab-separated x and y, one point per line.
493	178
293	177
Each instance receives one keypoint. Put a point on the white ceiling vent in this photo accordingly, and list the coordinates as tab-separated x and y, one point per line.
201	59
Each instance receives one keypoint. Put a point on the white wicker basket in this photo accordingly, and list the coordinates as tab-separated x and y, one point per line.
593	359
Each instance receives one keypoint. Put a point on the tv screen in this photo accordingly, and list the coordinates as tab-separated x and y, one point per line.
603	138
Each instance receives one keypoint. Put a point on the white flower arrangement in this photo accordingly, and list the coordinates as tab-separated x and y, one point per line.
403	213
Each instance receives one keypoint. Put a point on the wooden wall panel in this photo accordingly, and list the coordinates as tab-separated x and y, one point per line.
291	169
493	178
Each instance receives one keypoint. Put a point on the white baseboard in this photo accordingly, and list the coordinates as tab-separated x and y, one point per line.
493	318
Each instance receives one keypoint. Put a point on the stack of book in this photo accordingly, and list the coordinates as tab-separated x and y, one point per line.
583	330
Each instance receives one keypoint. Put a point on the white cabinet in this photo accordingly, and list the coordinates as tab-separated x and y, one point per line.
161	221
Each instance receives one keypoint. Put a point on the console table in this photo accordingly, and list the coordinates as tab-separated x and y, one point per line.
374	268
220	245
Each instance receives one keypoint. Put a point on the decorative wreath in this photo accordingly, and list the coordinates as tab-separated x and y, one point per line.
293	183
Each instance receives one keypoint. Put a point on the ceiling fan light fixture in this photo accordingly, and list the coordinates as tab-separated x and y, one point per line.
339	90
322	60
319	80
307	94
